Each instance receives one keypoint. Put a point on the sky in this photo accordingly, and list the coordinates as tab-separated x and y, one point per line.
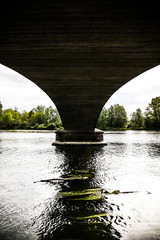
138	92
18	91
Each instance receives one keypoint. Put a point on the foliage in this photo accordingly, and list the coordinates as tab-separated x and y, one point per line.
38	118
137	120
113	117
102	120
1	108
152	114
119	116
51	126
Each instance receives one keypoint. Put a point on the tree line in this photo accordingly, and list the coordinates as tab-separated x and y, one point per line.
40	117
115	117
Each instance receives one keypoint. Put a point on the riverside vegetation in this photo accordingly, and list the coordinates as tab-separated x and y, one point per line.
113	118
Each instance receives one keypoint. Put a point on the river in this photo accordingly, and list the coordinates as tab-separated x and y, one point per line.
31	209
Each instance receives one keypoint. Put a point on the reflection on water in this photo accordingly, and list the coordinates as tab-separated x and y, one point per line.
79	217
81	201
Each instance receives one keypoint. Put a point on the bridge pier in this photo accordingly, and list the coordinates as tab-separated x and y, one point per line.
72	137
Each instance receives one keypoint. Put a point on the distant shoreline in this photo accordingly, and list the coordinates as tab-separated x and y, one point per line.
28	130
54	131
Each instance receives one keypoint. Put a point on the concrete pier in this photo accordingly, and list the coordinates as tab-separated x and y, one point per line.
66	137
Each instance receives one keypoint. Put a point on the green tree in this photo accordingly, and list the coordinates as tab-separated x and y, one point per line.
37	117
7	120
110	117
119	118
137	119
24	120
10	118
44	117
148	120
152	114
113	117
52	116
38	114
16	117
1	111
1	108
24	116
102	120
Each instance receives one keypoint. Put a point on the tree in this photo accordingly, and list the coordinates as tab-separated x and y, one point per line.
16	117
7	120
38	114
119	118
137	119
113	117
44	116
37	117
1	111
152	114
110	116
24	116
102	120
1	107
24	120
52	115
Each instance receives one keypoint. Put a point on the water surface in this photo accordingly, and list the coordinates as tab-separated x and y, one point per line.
129	163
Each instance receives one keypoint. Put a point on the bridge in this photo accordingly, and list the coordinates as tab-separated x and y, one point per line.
80	52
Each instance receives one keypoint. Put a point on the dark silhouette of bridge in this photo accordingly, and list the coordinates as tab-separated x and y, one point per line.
80	52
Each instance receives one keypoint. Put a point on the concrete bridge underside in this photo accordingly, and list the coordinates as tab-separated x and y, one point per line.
80	52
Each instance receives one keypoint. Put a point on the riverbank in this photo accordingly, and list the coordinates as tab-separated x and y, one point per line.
28	131
53	131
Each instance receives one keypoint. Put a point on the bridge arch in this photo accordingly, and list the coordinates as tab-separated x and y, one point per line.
138	92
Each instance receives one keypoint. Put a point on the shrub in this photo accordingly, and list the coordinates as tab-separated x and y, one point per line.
51	126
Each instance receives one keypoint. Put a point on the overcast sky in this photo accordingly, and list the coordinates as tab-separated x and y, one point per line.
17	91
138	92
